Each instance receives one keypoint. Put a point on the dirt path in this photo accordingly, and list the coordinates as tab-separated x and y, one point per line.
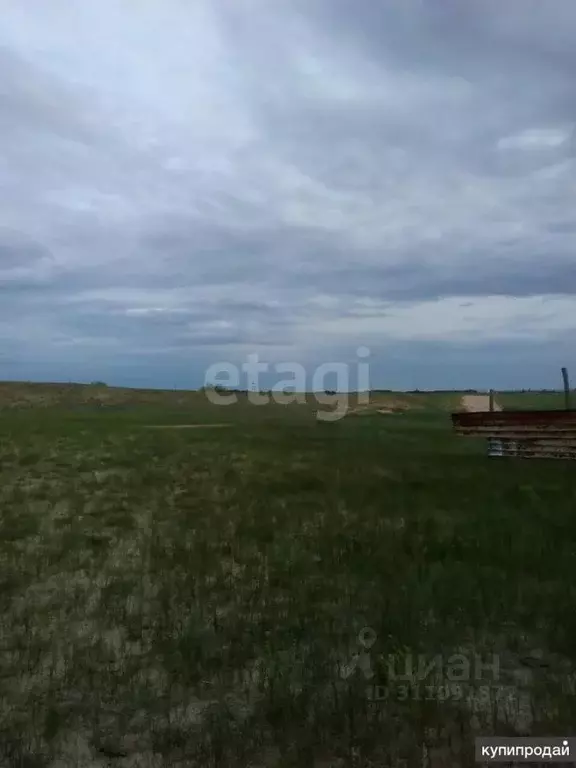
478	403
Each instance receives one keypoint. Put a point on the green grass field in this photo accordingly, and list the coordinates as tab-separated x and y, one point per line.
196	597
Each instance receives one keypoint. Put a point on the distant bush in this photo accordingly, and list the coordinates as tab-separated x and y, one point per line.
215	388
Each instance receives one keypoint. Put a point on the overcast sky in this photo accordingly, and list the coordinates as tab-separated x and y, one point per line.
190	181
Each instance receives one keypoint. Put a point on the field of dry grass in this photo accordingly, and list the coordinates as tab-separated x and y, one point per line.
197	597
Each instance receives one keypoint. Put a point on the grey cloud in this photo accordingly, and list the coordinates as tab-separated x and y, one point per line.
19	250
272	155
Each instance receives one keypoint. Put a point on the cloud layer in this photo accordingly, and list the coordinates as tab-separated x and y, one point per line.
182	183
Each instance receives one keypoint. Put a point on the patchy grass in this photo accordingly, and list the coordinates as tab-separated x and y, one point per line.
197	597
185	426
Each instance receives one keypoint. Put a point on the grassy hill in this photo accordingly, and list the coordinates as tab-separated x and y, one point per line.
29	394
195	597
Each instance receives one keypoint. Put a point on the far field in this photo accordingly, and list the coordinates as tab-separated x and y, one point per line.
196	597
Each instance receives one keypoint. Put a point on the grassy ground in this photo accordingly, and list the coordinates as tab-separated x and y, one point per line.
198	597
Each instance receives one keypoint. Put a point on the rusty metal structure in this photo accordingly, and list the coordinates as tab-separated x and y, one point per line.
524	434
